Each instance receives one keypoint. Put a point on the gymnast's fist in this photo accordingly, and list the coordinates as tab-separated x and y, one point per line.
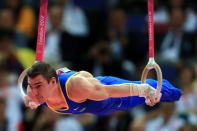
31	99
149	93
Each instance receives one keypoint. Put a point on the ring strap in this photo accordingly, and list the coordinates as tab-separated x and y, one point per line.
151	27
151	63
41	30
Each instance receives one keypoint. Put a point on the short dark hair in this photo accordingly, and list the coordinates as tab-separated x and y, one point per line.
42	68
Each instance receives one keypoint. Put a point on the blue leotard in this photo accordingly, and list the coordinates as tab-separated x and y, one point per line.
107	106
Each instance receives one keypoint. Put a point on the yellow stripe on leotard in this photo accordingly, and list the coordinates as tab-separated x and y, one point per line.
54	110
66	85
64	97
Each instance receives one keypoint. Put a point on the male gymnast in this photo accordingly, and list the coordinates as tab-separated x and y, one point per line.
70	92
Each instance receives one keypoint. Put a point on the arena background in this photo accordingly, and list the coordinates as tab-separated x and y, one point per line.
104	37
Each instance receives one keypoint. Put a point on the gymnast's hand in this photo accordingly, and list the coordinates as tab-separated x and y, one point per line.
30	100
149	93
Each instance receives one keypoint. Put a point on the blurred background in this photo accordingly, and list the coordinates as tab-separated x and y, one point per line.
104	37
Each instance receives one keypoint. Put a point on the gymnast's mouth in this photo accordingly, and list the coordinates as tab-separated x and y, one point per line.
40	99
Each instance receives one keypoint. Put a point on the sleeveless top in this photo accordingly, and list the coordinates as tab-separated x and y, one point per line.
89	106
107	106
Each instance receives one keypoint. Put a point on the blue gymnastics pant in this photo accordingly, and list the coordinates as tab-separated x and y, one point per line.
169	92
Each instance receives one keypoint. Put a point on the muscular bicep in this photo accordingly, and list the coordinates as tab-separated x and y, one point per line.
83	88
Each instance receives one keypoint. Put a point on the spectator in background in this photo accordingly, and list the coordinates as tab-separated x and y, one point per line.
195	47
81	122
70	123
133	6
13	102
46	121
100	61
162	15
190	24
167	120
74	19
24	19
3	121
195	75
118	35
73	31
188	127
54	35
164	119
66	48
176	44
186	106
8	56
118	32
118	121
6	14
96	17
12	57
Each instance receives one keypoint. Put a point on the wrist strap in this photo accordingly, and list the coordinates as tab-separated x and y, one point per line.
134	89
137	89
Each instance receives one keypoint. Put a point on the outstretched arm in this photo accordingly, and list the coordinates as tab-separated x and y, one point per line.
84	86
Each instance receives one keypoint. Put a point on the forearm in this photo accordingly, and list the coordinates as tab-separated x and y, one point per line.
131	89
101	92
126	89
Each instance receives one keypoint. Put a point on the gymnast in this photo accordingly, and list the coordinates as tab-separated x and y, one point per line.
69	92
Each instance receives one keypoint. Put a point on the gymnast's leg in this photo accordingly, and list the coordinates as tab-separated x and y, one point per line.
169	92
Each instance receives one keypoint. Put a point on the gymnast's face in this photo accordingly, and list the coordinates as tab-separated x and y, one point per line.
39	89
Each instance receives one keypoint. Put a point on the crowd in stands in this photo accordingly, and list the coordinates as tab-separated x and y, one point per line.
104	37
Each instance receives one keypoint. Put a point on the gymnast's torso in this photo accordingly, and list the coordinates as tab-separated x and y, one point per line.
107	106
102	107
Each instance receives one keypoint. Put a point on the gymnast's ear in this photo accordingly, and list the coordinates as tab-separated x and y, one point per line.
53	80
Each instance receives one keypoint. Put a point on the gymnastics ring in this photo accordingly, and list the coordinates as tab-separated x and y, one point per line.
153	65
20	83
20	86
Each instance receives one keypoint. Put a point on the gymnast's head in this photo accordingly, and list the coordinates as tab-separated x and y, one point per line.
43	69
41	77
